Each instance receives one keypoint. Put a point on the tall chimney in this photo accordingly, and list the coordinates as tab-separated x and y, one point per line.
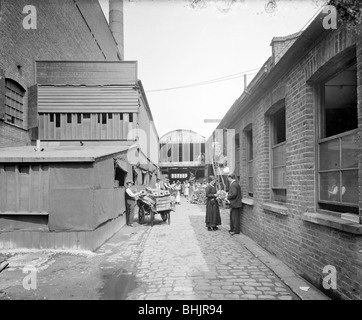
116	24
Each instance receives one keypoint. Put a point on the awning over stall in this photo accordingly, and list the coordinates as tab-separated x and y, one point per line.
121	164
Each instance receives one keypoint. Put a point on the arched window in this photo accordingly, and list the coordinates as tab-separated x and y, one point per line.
14	105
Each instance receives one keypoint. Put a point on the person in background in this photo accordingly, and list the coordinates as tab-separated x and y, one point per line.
212	218
178	192
169	188
191	190
333	190
234	197
158	184
182	188
187	188
130	198
167	185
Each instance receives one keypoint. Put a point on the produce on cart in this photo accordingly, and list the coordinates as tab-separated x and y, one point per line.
154	201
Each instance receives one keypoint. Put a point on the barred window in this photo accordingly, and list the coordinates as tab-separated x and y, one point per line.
14	105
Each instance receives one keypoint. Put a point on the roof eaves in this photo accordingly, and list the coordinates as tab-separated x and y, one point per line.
299	48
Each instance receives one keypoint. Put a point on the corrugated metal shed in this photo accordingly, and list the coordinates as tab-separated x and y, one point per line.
87	99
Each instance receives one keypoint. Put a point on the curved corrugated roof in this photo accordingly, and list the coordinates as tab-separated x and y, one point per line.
182	136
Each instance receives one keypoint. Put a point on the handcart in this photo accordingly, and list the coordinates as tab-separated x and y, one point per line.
154	201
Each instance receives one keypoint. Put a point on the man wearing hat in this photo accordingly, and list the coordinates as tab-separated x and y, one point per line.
167	185
130	198
234	197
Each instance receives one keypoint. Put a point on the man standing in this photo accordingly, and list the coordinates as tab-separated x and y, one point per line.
158	184
130	198
234	196
167	185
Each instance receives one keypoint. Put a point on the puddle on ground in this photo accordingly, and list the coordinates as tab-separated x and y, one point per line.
117	285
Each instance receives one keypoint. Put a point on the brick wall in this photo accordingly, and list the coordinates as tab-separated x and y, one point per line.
359	82
304	246
13	136
62	34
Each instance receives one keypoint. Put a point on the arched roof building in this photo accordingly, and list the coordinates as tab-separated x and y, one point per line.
182	154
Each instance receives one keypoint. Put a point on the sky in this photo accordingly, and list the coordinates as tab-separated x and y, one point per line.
180	45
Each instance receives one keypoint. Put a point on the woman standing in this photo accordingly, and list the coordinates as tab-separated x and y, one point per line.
213	218
186	193
178	192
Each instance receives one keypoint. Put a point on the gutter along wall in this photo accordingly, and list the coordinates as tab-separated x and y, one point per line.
298	231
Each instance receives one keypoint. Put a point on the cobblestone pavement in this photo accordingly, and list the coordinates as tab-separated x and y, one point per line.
185	261
176	261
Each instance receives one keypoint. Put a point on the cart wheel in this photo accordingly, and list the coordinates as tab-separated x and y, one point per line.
168	217
152	217
141	215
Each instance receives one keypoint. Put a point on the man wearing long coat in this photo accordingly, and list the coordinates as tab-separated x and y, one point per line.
234	196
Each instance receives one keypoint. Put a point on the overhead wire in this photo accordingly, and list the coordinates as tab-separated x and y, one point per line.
206	82
236	75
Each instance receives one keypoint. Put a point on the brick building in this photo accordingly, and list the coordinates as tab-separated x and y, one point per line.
299	155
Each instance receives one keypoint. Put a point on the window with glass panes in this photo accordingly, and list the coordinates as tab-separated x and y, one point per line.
278	165
237	154
14	105
338	143
249	159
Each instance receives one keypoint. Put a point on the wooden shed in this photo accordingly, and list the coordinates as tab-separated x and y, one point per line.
62	197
